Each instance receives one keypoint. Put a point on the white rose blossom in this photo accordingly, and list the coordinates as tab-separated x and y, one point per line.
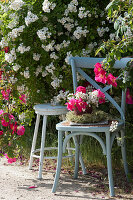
16	67
36	56
21	48
56	82
47	6
43	33
10	57
16	4
30	18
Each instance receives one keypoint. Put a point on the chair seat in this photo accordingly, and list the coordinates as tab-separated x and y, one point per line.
65	126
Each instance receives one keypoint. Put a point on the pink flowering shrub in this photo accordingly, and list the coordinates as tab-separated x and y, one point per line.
83	100
129	98
12	106
101	76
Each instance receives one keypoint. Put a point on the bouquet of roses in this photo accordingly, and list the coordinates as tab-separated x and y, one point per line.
83	106
83	100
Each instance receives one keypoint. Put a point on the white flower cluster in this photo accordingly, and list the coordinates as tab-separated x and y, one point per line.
129	32
22	116
93	98
83	14
102	30
113	126
68	56
10	57
47	6
27	73
56	82
12	79
44	19
16	67
36	56
112	36
64	44
67	22
44	73
62	96
38	70
3	43
54	56
4	7
89	49
16	4
16	32
72	7
81	95
49	47
14	21
43	33
30	18
21	48
22	88
50	68
79	77
79	32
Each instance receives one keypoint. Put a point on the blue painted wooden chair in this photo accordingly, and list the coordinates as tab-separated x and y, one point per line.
78	64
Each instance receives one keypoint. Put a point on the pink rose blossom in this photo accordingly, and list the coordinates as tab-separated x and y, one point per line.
81	89
112	80
20	130
1	132
81	105
6	49
71	104
6	94
1	112
14	126
4	123
101	96
129	99
10	160
98	68
101	77
1	74
22	98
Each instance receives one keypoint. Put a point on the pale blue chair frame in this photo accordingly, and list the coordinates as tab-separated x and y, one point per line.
77	63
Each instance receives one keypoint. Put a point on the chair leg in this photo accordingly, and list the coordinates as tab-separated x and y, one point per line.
42	146
34	140
75	138
59	161
81	159
123	150
109	164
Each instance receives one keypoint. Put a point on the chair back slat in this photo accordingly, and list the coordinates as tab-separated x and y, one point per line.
77	63
89	62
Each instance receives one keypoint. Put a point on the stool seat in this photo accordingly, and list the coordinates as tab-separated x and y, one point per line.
48	109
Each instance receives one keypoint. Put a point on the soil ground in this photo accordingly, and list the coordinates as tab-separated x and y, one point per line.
17	182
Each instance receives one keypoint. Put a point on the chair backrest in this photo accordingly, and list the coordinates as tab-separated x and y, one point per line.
78	63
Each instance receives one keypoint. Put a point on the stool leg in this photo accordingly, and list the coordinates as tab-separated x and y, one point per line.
68	143
59	161
42	146
34	140
109	164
